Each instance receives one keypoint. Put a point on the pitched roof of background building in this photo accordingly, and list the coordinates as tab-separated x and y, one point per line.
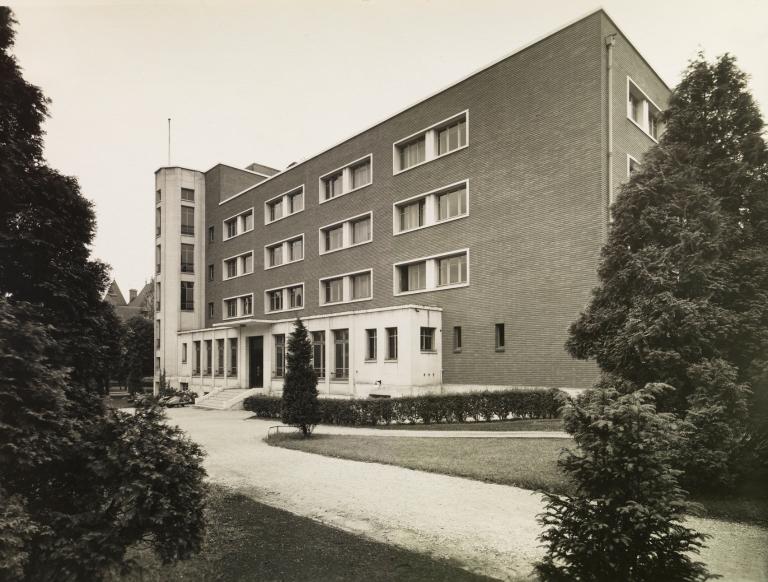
115	295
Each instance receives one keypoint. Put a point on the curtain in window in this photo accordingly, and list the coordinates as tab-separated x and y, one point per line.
412	153
452	203
361	230
361	175
412	215
361	286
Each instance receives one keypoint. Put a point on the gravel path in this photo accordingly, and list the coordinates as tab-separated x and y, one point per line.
489	529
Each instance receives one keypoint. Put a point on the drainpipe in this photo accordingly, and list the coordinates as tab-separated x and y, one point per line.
610	42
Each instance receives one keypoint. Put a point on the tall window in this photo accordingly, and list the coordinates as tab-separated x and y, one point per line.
332	185
211	234
158	255
391	343
276	300
334	290
370	344
184	353
233	355
208	356
296	249
211	269
158	196
412	153
210	310
230	305
275	255
413	277
452	270
361	230
334	238
452	203
187	194
341	354
247	304
412	215
187	296
500	339
158	221
231	226
231	267
275	210
279	355
318	353
427	339
158	296
188	220
197	358
457	339
361	174
296	201
452	136
187	258
361	286
220	356
296	296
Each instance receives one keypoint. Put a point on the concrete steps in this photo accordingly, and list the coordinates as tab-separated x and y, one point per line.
225	399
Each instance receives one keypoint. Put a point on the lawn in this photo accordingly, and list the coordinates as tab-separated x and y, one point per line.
247	540
518	424
526	463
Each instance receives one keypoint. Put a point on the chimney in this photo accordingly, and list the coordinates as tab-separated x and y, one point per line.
132	293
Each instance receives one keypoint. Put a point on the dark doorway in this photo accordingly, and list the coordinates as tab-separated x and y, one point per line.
256	361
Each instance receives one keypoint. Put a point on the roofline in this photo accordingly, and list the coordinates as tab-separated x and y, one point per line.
241	169
177	168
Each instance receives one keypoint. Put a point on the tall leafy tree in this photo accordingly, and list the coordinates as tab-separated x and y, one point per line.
138	351
300	405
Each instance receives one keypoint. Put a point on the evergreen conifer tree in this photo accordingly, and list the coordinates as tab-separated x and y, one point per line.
300	405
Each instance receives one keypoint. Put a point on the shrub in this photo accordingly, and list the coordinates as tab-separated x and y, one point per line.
426	409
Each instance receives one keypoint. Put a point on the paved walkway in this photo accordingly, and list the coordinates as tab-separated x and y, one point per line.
487	528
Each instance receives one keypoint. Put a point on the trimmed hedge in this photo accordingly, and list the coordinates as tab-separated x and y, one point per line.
428	409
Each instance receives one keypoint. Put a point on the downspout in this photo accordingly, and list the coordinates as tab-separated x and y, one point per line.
610	42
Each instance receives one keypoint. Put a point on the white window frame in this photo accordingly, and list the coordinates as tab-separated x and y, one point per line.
284	290
239	274
224	236
346	236
430	145
631	159
238	298
346	288
284	201
285	244
432	274
431	208
646	107
346	179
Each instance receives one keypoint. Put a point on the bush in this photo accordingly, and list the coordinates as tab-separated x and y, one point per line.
427	409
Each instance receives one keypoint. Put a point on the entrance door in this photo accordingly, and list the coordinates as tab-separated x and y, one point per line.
255	361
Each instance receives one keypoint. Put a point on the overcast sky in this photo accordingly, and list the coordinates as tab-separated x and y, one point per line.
274	81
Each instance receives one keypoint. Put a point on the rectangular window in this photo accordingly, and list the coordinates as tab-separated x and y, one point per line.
188	220
296	296
457	339
452	270
197	358
296	249
233	355
158	221
332	185
184	353
334	238
427	339
279	355
452	203
296	201
158	255
208	357
158	196
642	111
247	305
246	221
284	205
211	234
276	300
370	347
361	174
361	286
247	260
412	215
210	310
239	224
211	270
391	343
500	339
187	296
230	266
231	227
351	177
412	153
220	356
275	255
275	210
187	194
231	307
635	108
318	353
187	258
341	354
452	136
413	277
334	290
361	230
633	166
158	295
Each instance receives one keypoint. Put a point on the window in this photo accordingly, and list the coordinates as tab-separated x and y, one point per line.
361	230
432	208
196	369
453	270
457	339
239	265
284	205
184	353
211	234
500	340
158	295
238	306
334	290
220	357
361	285
370	344
158	256
188	220
237	225
158	196
276	300
353	231
187	258
391	343
284	252
279	355
437	272
187	296
158	221
233	355
211	271
296	296
285	298
208	357
452	136
427	339
452	203
230	267
318	353
157	333
210	310
633	166
642	111
351	177
433	142
187	194
341	354
413	277
246	304
230	306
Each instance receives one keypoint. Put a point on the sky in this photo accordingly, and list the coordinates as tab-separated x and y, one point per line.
277	81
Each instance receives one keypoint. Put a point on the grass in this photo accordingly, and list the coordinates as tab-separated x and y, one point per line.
247	540
518	424
526	463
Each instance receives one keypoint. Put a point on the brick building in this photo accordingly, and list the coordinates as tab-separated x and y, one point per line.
446	248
